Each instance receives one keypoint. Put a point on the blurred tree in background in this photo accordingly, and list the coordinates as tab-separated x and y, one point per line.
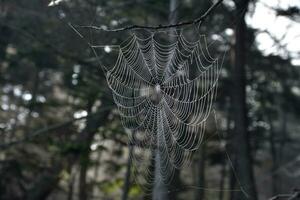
61	137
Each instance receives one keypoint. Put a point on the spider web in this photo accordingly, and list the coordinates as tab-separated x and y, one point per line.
164	89
164	86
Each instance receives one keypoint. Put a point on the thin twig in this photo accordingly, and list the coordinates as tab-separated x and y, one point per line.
199	20
293	196
49	129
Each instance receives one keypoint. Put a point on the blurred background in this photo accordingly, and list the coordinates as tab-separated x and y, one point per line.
60	133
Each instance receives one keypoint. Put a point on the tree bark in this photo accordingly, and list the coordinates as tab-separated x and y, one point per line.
244	168
280	154
45	184
201	172
128	173
224	162
85	140
222	181
85	152
71	184
273	152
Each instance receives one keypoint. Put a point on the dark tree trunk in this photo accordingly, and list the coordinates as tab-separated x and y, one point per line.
222	181
244	168
82	177
232	182
84	141
128	174
280	154
44	185
273	152
34	92
71	184
201	172
88	135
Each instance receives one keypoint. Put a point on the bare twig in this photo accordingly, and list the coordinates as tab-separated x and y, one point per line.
199	20
49	129
292	196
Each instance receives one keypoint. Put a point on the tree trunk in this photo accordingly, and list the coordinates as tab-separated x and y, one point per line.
45	184
71	183
201	173
224	162
283	138
85	154
128	173
273	152
84	141
34	92
222	181
244	168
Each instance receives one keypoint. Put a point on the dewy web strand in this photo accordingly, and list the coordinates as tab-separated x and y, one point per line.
158	100
164	107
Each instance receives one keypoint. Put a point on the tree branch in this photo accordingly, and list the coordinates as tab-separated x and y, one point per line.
199	20
49	129
293	196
